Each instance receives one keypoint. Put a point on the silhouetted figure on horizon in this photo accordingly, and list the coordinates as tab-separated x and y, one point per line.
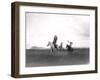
55	41
61	46
69	46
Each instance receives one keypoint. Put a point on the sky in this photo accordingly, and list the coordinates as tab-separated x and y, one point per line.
41	28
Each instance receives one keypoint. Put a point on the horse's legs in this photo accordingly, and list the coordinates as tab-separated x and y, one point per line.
51	51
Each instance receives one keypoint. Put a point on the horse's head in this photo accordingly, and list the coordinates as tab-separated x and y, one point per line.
69	42
48	43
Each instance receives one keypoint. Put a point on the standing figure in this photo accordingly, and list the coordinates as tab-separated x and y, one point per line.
61	46
55	42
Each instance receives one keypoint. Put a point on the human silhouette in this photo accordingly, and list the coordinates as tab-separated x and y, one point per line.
61	45
55	41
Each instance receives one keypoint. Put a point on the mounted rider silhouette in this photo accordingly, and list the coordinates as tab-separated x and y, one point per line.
55	41
69	46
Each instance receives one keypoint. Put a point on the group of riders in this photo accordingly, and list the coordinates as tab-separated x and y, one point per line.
54	45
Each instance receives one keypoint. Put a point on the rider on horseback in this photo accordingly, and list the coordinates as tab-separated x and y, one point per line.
69	46
55	41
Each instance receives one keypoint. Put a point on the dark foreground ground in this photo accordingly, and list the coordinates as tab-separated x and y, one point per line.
37	58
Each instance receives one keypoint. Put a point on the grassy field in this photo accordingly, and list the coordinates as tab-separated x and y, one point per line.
37	57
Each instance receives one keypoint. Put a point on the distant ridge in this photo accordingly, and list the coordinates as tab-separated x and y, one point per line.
35	47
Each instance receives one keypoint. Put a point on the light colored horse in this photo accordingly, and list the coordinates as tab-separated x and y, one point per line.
52	46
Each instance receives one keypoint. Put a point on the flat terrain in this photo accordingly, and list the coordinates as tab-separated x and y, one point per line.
37	57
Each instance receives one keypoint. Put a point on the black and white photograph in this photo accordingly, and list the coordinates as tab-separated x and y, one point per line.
57	39
53	39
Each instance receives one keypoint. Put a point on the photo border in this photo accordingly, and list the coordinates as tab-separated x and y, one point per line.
15	32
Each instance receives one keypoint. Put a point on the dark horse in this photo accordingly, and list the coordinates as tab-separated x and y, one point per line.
69	46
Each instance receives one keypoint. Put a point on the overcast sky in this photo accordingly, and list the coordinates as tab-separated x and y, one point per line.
41	28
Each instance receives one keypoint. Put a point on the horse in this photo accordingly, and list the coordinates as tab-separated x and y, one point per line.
52	46
69	46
